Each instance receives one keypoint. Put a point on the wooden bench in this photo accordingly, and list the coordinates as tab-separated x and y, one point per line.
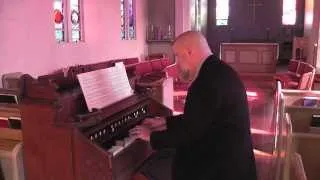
11	155
300	75
305	141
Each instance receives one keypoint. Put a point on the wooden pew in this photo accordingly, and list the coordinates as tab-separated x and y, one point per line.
305	142
11	154
308	146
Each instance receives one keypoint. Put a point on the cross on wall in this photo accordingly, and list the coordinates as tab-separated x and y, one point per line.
254	4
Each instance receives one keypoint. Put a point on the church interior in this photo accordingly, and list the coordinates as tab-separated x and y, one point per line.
76	79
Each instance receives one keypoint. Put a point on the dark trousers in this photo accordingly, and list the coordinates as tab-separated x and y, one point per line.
158	166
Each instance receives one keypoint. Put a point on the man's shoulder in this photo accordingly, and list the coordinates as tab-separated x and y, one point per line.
215	66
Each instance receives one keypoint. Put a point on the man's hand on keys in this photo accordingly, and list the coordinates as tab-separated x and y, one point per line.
155	124
144	130
141	132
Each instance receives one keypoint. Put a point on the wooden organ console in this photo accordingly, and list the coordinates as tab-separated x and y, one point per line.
63	140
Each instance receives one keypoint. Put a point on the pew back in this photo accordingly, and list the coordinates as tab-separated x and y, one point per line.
305	142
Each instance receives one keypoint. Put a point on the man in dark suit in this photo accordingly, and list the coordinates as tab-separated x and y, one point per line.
212	137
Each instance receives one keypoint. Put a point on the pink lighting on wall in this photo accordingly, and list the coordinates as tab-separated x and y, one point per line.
261	154
252	93
260	131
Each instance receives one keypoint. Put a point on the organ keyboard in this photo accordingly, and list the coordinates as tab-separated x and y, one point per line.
63	140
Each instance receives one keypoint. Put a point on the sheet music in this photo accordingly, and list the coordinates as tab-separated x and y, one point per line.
105	87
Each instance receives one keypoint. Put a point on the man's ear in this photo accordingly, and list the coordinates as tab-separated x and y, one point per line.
189	51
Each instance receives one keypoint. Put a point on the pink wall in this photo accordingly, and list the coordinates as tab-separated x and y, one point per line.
27	41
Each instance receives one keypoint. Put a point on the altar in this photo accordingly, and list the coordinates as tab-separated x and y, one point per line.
250	57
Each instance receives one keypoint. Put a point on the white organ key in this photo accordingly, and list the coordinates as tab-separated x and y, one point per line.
120	143
114	150
129	140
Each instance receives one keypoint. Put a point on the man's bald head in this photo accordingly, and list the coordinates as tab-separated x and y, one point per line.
191	49
192	40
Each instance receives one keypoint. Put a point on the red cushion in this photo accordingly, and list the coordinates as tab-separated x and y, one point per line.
172	70
155	56
291	85
285	77
293	66
143	68
157	65
301	68
165	62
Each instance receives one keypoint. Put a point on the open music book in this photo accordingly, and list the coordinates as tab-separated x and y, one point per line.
104	87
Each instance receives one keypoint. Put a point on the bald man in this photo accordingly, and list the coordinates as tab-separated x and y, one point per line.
212	138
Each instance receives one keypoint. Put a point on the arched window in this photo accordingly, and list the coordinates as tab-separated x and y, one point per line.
128	19
59	23
75	20
222	12
289	12
67	20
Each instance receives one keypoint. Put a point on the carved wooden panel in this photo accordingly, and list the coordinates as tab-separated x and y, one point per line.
47	149
126	163
267	57
91	163
230	56
250	57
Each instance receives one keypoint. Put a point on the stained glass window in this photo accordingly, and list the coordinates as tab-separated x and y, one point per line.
131	19
122	14
59	20
222	12
289	12
128	19
75	20
67	20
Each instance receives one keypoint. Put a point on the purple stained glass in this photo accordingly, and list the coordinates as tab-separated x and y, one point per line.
128	19
122	14
132	19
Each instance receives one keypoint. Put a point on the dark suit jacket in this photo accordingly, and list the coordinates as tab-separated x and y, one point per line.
212	138
1	174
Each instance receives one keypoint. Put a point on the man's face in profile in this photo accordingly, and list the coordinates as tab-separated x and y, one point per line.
182	58
184	74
